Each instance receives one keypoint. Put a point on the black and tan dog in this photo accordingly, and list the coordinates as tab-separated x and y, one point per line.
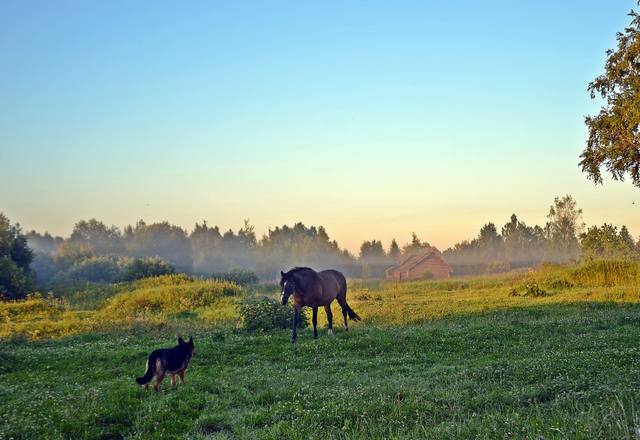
168	360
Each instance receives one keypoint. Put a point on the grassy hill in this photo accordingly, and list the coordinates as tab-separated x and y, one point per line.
552	353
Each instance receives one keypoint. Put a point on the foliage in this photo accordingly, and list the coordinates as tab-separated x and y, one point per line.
607	243
112	269
161	239
520	245
614	138
15	259
138	268
531	289
267	314
285	247
238	276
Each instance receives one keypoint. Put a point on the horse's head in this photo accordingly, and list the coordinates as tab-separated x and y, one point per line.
287	286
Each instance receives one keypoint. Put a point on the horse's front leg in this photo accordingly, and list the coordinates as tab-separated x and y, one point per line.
314	320
294	326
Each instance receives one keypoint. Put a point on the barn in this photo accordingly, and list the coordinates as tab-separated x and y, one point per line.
428	264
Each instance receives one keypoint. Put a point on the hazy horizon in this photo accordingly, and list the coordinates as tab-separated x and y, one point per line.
373	121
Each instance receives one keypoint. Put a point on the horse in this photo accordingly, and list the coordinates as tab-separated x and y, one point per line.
314	289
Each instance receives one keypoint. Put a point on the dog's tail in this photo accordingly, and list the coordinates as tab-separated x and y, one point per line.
352	314
151	369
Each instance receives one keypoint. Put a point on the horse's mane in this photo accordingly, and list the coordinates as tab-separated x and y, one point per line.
299	268
303	276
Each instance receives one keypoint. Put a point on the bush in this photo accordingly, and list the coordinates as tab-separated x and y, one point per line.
95	270
268	314
139	268
238	276
530	289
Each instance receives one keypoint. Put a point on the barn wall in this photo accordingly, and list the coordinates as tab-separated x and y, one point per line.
438	268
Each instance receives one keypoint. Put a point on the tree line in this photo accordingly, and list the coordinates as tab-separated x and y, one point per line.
100	253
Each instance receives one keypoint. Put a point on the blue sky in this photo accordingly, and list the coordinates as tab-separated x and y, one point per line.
374	119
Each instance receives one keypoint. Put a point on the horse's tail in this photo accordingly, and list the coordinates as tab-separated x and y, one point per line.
352	314
342	297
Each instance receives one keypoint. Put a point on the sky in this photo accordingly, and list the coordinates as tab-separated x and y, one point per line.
374	119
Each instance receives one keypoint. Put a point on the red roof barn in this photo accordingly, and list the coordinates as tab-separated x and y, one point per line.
429	264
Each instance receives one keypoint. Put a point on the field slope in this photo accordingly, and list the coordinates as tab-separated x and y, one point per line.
564	364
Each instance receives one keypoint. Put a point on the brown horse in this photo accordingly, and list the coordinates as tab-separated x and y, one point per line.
314	289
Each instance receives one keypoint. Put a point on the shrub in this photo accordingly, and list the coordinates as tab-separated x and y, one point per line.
530	289
238	276
268	314
147	267
95	270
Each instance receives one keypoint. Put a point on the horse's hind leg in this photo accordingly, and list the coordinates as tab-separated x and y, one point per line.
314	320
344	307
327	309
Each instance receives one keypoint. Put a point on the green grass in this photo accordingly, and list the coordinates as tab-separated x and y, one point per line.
433	359
567	371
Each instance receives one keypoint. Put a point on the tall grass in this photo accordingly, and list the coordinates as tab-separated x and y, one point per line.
161	300
607	273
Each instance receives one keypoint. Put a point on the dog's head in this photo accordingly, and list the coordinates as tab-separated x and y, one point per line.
189	344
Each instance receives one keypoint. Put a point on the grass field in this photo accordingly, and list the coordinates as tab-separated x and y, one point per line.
552	354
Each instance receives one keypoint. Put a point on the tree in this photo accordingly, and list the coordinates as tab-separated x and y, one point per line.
523	245
102	239
372	250
415	246
394	250
606	243
15	258
614	133
373	259
563	228
161	239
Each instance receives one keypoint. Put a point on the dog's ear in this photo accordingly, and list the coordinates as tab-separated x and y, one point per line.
180	340
191	340
281	274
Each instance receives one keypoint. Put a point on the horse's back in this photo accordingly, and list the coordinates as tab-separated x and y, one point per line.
335	277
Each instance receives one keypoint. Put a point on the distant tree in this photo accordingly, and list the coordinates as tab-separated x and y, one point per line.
103	240
373	260
523	245
606	243
298	245
626	237
15	259
372	250
416	245
206	247
162	240
43	243
563	228
71	252
614	134
394	250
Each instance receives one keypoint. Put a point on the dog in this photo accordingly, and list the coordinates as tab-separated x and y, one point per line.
168	360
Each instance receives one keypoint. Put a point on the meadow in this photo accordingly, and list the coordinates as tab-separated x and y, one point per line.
545	354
